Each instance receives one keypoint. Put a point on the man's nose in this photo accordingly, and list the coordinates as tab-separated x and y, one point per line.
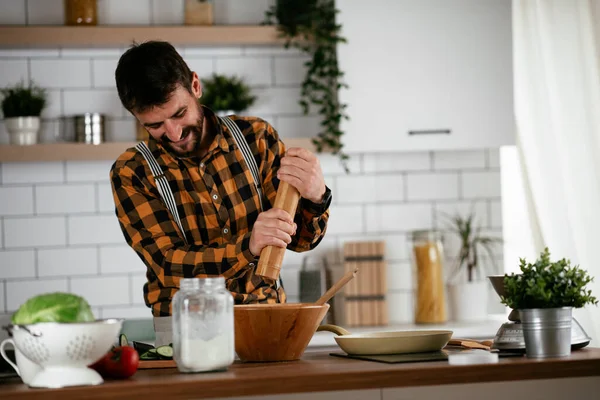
173	130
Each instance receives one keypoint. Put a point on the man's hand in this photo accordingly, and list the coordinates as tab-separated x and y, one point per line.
274	227
301	169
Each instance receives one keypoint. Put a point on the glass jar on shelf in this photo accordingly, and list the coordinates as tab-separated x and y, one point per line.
428	276
81	12
203	335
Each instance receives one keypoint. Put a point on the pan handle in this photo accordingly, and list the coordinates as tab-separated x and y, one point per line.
338	330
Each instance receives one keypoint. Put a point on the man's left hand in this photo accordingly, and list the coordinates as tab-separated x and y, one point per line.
301	169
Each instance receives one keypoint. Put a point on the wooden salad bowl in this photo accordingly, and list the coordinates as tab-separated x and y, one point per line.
275	332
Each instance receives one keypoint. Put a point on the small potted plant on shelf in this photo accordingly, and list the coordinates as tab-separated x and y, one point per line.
545	294
467	294
21	107
226	94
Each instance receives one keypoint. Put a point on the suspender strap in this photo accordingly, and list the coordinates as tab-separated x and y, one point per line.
240	139
162	184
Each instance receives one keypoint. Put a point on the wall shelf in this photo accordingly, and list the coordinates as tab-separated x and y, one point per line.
86	152
34	36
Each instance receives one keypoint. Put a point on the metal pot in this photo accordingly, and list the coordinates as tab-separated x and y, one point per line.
547	331
89	128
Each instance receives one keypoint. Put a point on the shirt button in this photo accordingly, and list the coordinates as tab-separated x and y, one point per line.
201	165
215	197
251	264
225	230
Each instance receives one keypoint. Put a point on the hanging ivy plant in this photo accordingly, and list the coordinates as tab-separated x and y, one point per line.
310	25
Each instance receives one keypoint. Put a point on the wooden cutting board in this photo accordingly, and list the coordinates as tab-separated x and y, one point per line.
155	364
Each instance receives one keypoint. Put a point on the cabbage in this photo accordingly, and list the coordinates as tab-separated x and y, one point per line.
53	307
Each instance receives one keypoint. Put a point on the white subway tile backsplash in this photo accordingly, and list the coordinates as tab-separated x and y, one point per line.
65	199
369	188
168	12
53	108
400	307
204	67
399	276
398	217
31	53
13	12
290	70
276	100
272	50
13	72
432	186
61	73
301	126
49	131
247	12
16	200
419	161
332	165
104	72
105	198
257	71
32	172
45	12
481	184
88	171
459	159
327	248
102	291
34	231
120	130
290	276
17	264
18	292
2	303
495	214
119	12
120	259
345	219
127	312
104	101
493	158
212	51
94	229
91	52
136	288
444	212
67	262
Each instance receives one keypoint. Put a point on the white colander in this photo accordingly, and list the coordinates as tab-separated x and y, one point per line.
64	350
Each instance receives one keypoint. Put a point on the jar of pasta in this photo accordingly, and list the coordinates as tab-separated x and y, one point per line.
428	277
81	12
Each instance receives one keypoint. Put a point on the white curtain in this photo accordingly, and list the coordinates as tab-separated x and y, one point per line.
557	107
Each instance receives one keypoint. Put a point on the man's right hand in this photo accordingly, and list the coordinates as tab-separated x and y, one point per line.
274	227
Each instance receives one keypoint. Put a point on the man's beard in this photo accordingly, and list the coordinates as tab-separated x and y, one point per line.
195	131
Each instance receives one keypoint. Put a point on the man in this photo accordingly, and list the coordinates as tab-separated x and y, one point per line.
218	204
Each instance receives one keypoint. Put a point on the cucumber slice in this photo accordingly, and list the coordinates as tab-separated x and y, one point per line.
149	355
165	352
123	340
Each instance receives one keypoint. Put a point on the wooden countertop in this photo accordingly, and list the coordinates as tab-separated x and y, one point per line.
316	371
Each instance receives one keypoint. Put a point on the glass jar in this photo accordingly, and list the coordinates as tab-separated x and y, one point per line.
428	277
81	12
203	336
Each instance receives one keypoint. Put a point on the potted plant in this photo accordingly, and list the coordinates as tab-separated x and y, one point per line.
21	107
226	94
545	294
468	294
311	27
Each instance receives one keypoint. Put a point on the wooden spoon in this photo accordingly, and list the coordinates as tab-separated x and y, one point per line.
338	285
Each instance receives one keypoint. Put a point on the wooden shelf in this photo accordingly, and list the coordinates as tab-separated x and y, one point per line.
86	152
115	35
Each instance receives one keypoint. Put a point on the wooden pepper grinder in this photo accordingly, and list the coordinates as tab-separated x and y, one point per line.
271	257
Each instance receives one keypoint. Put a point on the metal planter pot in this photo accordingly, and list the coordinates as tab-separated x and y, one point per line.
547	331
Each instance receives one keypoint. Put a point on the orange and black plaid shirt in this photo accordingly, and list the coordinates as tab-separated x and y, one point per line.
217	203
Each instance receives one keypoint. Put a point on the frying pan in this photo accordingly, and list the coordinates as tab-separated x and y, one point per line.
391	342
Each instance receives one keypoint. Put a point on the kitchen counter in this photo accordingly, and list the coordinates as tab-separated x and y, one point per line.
342	378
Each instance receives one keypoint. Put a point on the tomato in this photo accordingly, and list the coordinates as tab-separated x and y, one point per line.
121	362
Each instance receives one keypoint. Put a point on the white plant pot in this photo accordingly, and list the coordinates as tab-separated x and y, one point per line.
468	301
23	130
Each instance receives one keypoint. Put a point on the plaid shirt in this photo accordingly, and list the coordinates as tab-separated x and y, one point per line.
218	204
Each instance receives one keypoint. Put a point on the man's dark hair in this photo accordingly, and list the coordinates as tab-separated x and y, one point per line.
148	73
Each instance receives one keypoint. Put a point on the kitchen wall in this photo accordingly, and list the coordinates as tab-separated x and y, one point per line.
58	230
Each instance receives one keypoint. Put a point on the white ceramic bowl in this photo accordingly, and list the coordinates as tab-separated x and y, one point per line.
64	350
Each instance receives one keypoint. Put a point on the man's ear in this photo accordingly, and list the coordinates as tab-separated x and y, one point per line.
196	86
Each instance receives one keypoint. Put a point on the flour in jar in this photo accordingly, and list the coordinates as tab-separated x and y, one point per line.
208	355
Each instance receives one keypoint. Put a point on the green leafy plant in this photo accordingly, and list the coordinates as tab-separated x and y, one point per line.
471	240
547	284
21	101
53	307
224	93
310	26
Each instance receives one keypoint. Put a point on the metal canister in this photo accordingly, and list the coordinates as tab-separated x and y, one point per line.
89	128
